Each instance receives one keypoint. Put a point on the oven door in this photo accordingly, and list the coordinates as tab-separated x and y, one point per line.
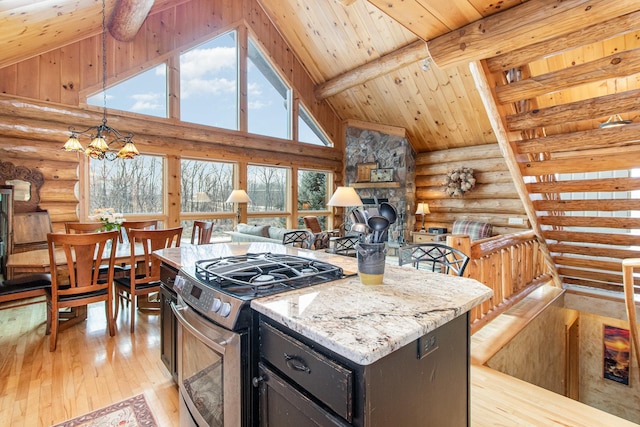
209	370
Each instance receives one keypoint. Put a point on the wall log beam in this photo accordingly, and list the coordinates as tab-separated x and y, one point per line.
158	136
582	140
605	205
588	109
586	185
590	221
593	251
578	164
620	65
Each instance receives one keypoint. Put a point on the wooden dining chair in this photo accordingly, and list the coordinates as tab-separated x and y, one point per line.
146	278
83	254
201	233
82	227
436	257
151	224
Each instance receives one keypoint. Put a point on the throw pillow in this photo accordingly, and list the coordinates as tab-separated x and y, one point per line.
254	230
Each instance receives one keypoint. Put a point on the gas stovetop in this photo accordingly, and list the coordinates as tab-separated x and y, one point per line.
219	288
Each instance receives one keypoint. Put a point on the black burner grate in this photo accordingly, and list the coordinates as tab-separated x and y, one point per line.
257	274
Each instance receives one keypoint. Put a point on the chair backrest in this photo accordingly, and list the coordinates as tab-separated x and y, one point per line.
436	257
201	233
151	224
299	238
151	240
82	227
30	231
83	254
312	223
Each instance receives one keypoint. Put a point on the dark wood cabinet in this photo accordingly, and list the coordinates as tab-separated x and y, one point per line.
425	383
168	322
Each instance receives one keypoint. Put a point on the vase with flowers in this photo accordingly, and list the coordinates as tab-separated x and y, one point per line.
459	181
110	219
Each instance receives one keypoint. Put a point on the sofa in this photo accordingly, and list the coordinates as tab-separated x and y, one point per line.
258	233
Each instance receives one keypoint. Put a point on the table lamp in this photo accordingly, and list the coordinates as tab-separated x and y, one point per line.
238	196
345	197
422	209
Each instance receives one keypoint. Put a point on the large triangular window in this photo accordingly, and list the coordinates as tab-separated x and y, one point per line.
308	129
268	98
145	93
209	83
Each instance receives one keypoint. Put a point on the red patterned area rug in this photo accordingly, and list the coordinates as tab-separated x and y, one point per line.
133	412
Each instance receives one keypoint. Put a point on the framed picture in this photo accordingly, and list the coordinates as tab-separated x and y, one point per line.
616	358
364	171
382	175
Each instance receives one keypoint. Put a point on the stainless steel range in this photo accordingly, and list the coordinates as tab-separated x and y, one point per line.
217	332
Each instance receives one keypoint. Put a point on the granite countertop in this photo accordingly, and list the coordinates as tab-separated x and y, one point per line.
362	323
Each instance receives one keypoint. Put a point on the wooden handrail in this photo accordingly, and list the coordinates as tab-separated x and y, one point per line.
511	265
628	265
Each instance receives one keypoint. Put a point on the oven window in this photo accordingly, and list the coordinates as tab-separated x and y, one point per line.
202	379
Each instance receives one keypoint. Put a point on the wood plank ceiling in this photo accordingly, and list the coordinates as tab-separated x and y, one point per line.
549	72
555	71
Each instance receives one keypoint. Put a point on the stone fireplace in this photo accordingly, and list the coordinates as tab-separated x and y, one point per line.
388	151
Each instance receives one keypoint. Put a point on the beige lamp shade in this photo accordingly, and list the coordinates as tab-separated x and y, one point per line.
422	208
238	196
345	196
201	197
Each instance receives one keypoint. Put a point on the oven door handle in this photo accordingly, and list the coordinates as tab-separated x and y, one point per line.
217	345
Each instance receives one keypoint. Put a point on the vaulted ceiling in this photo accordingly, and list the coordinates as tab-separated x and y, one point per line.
538	77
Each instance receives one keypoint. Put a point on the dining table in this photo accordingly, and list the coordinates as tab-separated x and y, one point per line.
37	261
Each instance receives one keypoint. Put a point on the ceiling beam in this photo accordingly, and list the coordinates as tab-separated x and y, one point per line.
591	34
533	24
127	18
522	25
395	60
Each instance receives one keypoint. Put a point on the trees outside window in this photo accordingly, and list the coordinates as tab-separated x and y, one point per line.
132	186
312	194
267	188
205	186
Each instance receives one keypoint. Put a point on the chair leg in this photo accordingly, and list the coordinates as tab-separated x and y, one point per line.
53	339
48	328
132	317
110	321
117	307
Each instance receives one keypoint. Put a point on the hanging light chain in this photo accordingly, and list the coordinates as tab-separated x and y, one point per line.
99	146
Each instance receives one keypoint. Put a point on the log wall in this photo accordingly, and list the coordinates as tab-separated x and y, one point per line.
31	133
494	198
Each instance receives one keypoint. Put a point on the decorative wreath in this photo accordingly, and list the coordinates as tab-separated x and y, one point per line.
459	181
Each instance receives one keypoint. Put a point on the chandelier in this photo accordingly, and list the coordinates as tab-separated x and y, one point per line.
103	138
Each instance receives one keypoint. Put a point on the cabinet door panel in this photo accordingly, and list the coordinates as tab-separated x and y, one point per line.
325	379
281	405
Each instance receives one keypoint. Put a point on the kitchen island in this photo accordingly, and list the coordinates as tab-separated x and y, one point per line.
343	353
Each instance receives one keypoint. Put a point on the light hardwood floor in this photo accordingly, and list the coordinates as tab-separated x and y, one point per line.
89	369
